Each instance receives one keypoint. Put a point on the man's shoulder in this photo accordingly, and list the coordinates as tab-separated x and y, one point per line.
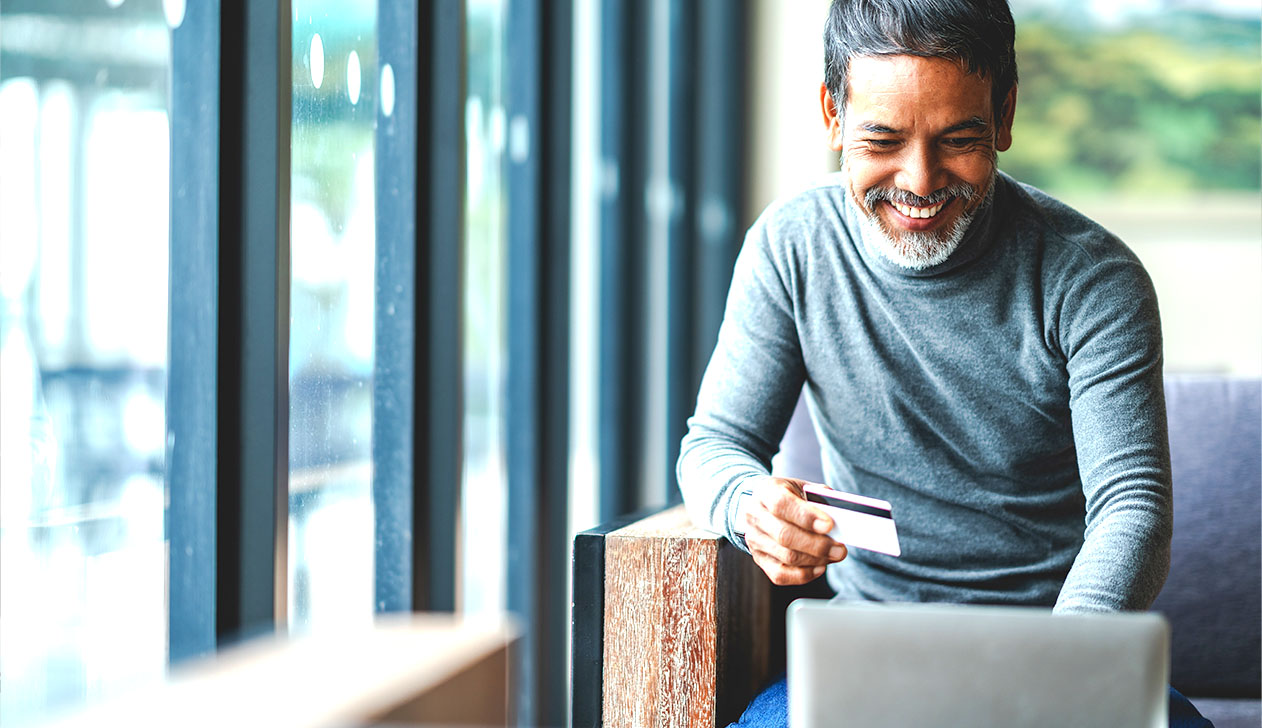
1067	234
1077	255
812	203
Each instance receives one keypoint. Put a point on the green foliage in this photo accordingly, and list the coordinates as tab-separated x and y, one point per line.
1168	106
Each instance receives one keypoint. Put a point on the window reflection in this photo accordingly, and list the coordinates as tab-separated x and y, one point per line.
332	247
484	498
84	137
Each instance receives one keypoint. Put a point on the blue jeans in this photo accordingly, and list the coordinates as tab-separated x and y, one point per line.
770	709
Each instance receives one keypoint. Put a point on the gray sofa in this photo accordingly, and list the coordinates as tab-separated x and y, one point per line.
1214	589
1213	595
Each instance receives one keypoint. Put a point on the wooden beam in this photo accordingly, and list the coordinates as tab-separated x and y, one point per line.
686	641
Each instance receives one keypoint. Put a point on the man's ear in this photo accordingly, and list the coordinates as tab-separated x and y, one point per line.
1003	138
832	118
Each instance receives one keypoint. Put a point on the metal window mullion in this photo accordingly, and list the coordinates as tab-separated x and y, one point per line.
623	135
706	168
538	85
193	323
394	443
440	201
682	89
557	47
524	177
721	165
253	389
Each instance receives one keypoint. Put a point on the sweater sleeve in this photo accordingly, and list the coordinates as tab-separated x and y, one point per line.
1111	337
749	388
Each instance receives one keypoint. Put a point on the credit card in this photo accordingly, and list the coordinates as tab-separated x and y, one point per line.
858	521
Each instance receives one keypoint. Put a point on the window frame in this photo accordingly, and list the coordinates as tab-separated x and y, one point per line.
418	355
538	92
227	430
192	383
228	393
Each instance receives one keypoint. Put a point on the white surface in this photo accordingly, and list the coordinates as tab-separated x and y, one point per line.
330	679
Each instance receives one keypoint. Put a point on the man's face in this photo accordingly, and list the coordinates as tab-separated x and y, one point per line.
918	141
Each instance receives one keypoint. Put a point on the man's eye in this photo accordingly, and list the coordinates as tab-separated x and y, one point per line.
962	142
882	143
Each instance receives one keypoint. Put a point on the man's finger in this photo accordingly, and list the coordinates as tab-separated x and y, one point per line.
783	574
789	536
756	540
785	499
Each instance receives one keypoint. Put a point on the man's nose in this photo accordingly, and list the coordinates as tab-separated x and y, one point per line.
920	172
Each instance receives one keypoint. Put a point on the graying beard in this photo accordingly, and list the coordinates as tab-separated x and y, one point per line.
920	250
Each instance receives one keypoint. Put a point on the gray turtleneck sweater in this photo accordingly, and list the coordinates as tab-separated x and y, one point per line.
1008	403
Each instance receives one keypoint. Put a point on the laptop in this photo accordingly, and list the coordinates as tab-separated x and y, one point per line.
865	664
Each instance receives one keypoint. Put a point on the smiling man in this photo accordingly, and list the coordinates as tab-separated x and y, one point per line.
919	151
972	351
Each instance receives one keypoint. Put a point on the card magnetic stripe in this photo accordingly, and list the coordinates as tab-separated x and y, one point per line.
847	505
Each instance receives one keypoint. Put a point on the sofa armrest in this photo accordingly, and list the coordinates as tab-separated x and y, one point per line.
670	625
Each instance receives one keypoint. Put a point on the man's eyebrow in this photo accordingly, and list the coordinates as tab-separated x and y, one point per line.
976	122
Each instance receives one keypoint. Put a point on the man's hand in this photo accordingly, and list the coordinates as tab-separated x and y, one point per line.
786	534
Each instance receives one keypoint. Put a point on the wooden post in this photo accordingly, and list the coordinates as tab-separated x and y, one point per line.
686	619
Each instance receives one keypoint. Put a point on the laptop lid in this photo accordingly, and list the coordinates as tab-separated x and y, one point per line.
868	664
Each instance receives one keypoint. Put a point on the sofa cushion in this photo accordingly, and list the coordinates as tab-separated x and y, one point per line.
1224	713
1213	595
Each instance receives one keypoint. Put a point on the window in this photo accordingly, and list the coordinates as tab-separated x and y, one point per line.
332	313
84	146
484	491
276	303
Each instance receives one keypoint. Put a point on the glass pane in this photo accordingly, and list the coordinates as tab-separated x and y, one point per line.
483	542
84	137
585	274
332	238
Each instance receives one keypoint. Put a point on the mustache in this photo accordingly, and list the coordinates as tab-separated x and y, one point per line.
910	199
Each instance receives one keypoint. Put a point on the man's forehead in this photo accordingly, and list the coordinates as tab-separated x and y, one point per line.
883	87
908	68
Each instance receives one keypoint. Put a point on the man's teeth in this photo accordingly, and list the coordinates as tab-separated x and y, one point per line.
919	212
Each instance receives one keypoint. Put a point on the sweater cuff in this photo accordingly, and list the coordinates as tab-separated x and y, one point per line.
742	503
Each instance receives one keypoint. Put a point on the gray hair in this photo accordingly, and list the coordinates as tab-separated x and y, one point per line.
977	33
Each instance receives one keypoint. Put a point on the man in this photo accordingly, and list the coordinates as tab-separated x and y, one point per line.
971	350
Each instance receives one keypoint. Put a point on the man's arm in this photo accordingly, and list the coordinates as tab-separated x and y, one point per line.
1111	334
746	399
